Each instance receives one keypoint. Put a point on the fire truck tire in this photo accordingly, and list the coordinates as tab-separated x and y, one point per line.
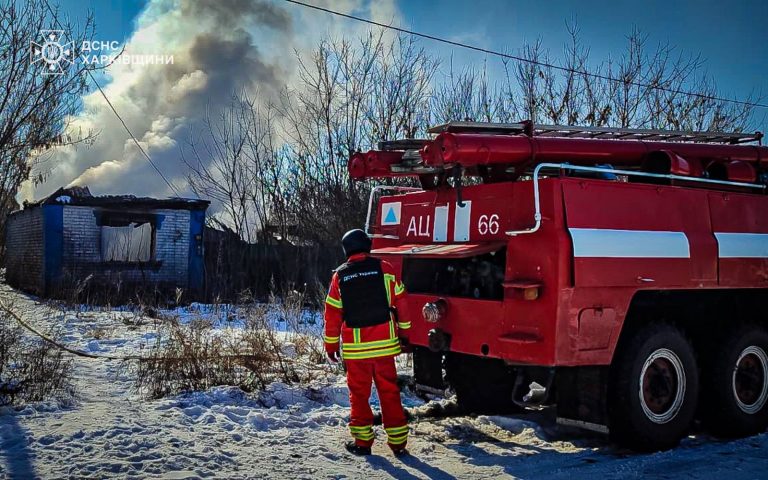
735	379
482	386
653	389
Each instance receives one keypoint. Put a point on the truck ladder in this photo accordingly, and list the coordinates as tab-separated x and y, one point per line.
567	131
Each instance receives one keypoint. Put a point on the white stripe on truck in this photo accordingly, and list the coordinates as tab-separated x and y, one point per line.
608	243
742	245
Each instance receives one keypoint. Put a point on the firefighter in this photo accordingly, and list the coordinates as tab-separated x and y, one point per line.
359	311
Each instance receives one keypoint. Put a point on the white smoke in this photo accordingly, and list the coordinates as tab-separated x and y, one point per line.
219	48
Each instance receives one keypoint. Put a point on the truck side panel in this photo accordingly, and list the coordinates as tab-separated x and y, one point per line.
626	238
600	242
639	235
740	224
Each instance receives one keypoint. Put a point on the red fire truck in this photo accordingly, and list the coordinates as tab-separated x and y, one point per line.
619	274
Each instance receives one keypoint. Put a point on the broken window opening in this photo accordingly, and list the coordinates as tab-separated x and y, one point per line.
130	243
127	237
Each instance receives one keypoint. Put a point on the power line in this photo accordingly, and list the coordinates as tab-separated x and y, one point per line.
138	145
527	60
9	311
114	110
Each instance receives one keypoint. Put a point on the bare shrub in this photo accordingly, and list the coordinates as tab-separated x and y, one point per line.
101	333
187	358
249	351
36	110
302	327
31	369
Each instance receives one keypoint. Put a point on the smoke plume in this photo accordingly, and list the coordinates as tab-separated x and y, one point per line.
219	48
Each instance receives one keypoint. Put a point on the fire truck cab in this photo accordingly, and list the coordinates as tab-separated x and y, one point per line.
621	275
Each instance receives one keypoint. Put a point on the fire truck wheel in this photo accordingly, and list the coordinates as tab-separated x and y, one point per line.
482	386
735	400
653	389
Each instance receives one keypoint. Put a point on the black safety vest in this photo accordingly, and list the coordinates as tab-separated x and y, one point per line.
363	293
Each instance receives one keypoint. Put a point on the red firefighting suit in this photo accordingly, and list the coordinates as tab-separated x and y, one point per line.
358	311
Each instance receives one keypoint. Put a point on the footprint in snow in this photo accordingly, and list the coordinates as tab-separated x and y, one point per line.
48	440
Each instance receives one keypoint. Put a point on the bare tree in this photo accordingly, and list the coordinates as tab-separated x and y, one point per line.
350	97
644	88
233	163
34	108
282	169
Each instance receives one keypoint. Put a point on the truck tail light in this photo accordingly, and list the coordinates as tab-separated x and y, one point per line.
525	289
434	312
531	293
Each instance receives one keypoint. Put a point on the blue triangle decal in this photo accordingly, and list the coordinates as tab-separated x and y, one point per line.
391	217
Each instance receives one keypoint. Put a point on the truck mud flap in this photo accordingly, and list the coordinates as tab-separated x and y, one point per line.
582	394
428	371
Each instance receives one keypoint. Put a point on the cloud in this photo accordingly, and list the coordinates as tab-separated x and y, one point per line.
219	47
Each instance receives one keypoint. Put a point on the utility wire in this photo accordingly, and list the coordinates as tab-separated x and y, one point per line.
9	311
138	145
527	60
114	110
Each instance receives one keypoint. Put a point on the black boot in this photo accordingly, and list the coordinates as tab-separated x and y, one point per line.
356	449
400	452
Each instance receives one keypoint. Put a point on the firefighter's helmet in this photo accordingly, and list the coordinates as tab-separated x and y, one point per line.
355	241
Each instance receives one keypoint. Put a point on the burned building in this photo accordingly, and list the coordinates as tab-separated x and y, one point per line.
120	244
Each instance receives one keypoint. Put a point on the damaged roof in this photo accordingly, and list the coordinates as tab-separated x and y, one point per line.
81	196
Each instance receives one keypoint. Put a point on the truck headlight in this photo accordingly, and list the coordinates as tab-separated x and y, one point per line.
434	312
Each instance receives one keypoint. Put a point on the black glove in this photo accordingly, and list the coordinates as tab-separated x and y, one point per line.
405	345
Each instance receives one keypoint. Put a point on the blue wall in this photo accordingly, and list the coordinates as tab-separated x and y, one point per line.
53	242
53	261
196	264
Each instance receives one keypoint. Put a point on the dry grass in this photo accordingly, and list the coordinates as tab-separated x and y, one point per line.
257	344
101	333
31	369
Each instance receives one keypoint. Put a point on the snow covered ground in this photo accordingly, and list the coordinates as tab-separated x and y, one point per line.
298	432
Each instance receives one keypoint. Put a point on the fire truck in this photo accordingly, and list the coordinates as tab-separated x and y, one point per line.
620	275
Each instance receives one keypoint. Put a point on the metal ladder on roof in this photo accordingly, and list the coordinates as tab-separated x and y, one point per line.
567	131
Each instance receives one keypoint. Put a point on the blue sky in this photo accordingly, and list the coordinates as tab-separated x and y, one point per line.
731	36
114	18
163	104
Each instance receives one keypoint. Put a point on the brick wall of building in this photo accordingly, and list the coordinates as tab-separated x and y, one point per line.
24	250
82	251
